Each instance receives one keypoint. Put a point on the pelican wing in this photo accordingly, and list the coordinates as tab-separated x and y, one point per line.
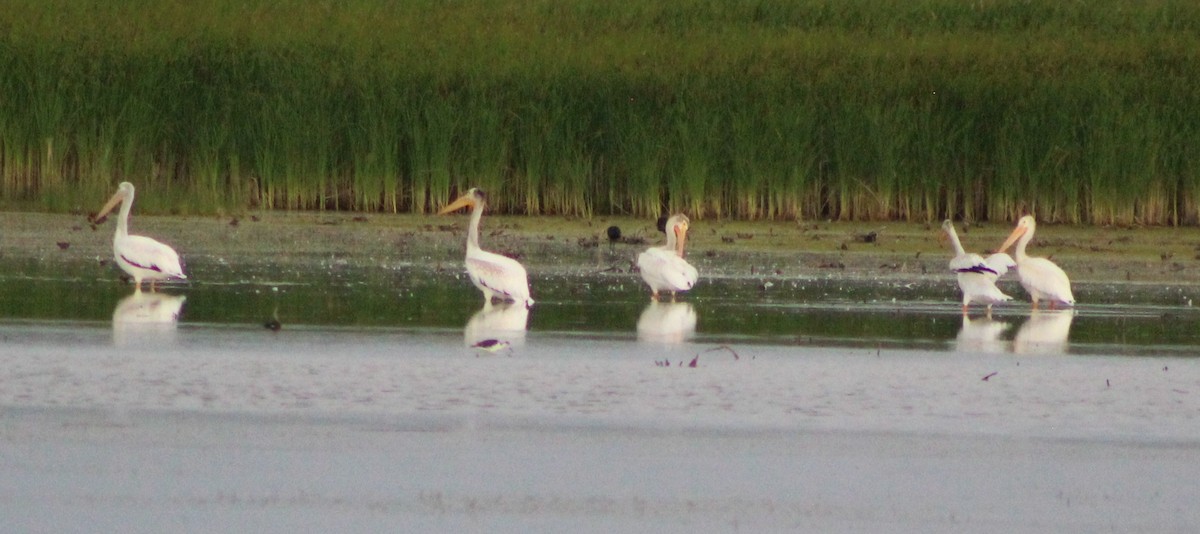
970	263
146	253
1000	262
664	270
501	274
1042	277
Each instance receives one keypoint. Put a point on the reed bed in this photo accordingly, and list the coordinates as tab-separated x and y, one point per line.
806	109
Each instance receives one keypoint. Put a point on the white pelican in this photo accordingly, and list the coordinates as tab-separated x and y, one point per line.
140	256
977	275
1040	277
663	268
494	275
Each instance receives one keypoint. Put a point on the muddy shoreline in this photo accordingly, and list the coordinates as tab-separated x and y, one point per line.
555	244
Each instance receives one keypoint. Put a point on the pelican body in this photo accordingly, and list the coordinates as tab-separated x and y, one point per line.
1040	277
977	275
495	275
140	256
663	268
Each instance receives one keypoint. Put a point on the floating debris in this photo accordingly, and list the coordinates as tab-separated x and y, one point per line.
989	375
695	362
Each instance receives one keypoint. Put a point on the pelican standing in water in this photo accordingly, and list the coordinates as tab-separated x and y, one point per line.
140	256
663	268
495	275
1040	277
977	275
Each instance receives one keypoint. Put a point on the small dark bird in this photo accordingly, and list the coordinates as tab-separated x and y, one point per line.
63	245
662	224
614	233
614	237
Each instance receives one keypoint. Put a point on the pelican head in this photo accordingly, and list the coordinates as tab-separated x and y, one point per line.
1025	227
124	194
473	197
677	226
947	229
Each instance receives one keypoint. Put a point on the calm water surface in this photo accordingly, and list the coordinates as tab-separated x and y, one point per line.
825	310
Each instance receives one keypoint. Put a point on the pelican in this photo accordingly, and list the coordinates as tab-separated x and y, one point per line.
977	275
495	275
1040	277
663	268
140	256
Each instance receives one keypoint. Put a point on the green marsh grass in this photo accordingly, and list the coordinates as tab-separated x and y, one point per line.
803	109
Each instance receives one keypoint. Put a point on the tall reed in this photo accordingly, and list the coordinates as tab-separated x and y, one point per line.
879	109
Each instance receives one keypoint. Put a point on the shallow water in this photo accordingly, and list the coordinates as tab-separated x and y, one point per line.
821	311
817	401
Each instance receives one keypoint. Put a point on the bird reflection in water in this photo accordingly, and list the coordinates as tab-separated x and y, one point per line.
981	335
1044	332
669	323
146	318
497	327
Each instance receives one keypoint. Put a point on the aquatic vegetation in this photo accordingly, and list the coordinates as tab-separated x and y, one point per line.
881	109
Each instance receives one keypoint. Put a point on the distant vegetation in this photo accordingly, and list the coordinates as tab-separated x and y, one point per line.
869	109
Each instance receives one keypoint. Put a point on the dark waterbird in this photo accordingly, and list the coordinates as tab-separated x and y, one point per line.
614	236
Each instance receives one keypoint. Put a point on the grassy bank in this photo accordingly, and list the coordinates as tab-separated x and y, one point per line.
871	110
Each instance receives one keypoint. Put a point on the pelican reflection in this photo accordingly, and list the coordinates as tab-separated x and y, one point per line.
500	322
667	322
1044	332
146	318
981	335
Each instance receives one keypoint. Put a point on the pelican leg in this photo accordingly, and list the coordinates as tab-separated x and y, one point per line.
672	296
1053	304
152	288
964	308
989	311
654	295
